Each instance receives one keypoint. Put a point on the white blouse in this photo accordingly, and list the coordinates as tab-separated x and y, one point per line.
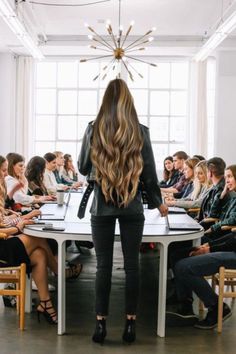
20	196
49	180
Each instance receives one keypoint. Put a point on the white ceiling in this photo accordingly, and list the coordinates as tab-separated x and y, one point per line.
182	25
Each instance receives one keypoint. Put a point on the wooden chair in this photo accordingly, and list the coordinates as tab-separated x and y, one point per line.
225	277
16	275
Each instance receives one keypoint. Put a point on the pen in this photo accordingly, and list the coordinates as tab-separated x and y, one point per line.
46	214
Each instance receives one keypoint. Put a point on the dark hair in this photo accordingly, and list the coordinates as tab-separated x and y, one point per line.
199	157
167	174
67	158
217	166
49	157
35	169
181	155
2	160
232	168
13	158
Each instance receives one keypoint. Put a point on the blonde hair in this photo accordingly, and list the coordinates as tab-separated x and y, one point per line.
116	145
197	185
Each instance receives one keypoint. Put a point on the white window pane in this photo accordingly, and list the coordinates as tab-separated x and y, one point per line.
67	148
176	147
87	72
159	103
67	102
111	73
160	152
67	127
41	148
143	120
87	103
159	128
46	74
177	129
67	74
136	69
45	101
101	94
178	103
45	128
179	75
160	76
140	101
82	125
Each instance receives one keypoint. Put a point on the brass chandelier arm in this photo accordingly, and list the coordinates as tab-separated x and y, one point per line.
133	68
139	39
142	61
100	37
100	57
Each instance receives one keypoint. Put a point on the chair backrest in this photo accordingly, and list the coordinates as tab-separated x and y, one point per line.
16	275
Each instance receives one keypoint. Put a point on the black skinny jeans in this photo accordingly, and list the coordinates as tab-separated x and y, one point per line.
103	232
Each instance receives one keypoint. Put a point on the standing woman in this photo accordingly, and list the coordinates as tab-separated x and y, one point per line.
116	153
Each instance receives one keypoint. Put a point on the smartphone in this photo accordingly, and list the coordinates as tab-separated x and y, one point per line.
53	228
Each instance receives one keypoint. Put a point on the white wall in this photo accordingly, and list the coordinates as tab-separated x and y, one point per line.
225	124
7	103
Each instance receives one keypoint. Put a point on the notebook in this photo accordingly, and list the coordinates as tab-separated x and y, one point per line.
60	212
183	226
176	210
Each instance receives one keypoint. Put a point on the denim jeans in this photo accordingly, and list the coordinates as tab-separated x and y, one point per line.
190	272
103	232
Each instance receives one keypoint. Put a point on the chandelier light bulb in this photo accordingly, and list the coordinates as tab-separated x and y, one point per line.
90	37
150	39
132	23
86	24
154	29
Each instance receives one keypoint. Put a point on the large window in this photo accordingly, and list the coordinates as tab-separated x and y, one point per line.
67	98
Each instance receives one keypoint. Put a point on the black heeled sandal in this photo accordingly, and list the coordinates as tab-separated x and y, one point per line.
100	331
51	317
129	334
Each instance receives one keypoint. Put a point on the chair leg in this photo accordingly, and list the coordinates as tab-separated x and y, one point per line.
220	299
22	300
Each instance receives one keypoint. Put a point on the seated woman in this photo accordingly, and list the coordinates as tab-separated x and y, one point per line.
37	256
201	186
227	206
70	172
16	176
61	177
189	166
170	175
49	179
34	173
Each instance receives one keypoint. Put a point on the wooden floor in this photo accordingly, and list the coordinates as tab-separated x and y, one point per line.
42	338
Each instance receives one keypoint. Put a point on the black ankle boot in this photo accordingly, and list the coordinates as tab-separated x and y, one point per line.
100	331
129	334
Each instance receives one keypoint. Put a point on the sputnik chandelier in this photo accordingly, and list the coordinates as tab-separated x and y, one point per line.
119	52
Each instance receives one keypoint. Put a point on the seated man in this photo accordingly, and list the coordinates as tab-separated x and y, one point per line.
189	277
211	204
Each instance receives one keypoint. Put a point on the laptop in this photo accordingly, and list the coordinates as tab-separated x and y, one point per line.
176	210
60	212
183	226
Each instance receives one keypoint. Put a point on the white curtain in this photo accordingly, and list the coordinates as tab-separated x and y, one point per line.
24	113
198	104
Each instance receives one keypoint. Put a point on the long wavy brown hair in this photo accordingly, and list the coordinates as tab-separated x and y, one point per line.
116	145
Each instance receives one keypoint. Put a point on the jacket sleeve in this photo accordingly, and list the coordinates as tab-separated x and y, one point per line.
84	162
228	219
149	176
226	243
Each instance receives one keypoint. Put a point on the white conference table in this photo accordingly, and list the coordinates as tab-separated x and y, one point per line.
155	230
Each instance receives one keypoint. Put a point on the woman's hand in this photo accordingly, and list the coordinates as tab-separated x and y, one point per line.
23	223
163	209
208	231
224	192
200	250
170	202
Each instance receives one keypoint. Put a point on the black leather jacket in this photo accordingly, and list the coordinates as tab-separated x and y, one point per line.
148	178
